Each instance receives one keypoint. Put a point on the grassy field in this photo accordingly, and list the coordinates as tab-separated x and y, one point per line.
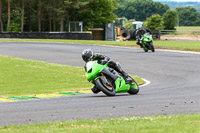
188	28
91	42
154	124
174	45
26	77
184	30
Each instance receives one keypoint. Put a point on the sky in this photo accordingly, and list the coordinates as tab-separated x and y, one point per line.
186	0
181	0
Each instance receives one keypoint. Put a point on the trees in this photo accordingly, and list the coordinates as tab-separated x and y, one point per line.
188	16
8	24
99	12
140	9
1	21
170	20
198	20
155	22
39	10
43	15
66	7
167	21
22	18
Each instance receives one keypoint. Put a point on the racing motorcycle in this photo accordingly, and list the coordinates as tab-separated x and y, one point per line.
147	42
108	80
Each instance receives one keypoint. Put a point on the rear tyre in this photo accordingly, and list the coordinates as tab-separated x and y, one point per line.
134	88
109	90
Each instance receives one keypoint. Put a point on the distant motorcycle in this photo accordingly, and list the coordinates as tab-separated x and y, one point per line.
108	80
147	42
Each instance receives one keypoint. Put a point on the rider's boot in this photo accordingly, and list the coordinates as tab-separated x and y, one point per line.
95	90
138	43
126	77
141	45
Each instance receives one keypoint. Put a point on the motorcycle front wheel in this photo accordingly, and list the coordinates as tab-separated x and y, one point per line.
107	89
152	47
145	50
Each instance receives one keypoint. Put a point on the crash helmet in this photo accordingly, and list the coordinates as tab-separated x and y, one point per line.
87	55
140	28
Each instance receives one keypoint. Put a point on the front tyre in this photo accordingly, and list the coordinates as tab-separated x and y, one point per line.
152	47
109	90
134	88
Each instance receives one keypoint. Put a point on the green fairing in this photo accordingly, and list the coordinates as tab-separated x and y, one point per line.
147	38
123	88
96	68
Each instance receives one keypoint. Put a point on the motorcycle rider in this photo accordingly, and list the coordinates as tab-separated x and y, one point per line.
139	33
88	55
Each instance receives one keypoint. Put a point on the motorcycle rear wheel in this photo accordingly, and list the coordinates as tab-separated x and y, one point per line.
133	90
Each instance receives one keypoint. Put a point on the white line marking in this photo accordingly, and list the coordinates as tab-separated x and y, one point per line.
177	51
147	82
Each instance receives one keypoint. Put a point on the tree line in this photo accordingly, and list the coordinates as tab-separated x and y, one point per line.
53	15
139	9
173	4
182	16
188	16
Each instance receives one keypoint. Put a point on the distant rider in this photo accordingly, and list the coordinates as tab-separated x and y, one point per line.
88	55
139	33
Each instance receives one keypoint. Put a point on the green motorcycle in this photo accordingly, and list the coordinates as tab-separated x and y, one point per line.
108	80
147	42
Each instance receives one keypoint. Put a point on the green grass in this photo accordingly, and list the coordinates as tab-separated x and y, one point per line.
178	45
174	45
155	124
188	28
92	42
27	77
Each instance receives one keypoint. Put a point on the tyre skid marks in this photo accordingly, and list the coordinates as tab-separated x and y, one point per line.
6	100
40	96
61	94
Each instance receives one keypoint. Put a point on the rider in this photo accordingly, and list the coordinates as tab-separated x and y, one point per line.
139	33
88	55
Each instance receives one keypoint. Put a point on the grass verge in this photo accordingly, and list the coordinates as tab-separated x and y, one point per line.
188	28
162	124
28	77
174	45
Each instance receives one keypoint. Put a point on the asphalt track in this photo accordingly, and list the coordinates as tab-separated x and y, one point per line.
174	88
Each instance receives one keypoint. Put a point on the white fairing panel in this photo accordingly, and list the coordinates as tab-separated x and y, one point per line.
89	65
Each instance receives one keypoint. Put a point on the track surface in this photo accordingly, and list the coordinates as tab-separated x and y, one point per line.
174	88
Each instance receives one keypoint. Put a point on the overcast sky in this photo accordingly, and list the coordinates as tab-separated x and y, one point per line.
180	0
187	0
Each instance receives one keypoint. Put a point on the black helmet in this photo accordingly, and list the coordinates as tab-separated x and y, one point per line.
87	54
